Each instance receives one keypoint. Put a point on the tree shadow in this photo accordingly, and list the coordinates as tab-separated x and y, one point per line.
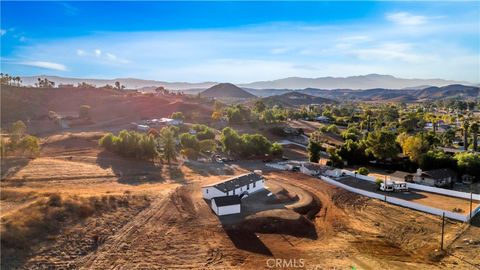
208	169
176	174
9	166
131	171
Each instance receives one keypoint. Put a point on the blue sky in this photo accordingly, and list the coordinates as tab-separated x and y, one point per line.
241	41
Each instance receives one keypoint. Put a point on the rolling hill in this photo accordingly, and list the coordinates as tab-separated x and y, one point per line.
226	91
398	95
352	82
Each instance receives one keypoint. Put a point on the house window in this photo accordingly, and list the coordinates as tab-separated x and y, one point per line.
207	190
248	186
254	184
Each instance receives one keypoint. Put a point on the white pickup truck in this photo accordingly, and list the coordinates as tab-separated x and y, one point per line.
392	186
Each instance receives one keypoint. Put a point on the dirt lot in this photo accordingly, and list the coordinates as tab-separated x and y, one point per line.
418	196
308	219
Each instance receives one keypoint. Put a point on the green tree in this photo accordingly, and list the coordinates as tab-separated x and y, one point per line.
465	134
188	140
469	163
276	149
167	141
313	149
18	130
381	145
119	86
413	146
178	116
207	145
260	106
107	141
230	140
30	144
436	159
474	131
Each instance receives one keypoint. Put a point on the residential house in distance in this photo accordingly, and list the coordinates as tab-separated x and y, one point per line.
437	178
399	176
222	193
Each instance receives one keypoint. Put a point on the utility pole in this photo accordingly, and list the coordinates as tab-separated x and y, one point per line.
443	229
471	202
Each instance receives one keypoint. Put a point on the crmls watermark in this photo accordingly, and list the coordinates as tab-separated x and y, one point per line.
285	263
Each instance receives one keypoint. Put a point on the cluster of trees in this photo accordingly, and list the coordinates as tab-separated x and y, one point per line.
19	141
203	141
131	144
138	145
44	83
383	145
248	145
6	79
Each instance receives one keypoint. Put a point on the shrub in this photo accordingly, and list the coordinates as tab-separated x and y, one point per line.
378	181
84	111
363	171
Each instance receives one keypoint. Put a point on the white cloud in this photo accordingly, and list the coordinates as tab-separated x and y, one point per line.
111	56
279	50
3	32
405	18
46	65
270	52
81	52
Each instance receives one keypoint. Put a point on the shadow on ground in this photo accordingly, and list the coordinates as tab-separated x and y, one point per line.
130	171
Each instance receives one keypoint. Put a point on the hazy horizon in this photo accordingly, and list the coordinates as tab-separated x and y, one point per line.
241	42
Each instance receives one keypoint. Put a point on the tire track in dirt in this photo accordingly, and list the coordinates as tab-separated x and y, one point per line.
115	243
177	231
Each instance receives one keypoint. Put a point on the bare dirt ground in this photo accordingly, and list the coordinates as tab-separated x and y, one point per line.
323	225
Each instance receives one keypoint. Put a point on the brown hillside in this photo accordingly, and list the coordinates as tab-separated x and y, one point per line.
226	90
106	105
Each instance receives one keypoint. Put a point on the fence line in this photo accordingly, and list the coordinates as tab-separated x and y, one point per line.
408	204
442	191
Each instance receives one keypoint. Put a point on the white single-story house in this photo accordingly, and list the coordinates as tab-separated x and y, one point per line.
310	168
226	205
244	185
435	178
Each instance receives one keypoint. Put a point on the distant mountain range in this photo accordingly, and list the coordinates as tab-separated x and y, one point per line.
130	83
295	99
400	95
353	82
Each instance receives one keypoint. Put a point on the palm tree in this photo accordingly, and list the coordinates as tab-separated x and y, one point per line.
465	134
474	130
167	141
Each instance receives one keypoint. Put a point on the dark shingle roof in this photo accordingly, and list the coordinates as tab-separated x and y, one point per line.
237	181
440	173
227	200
